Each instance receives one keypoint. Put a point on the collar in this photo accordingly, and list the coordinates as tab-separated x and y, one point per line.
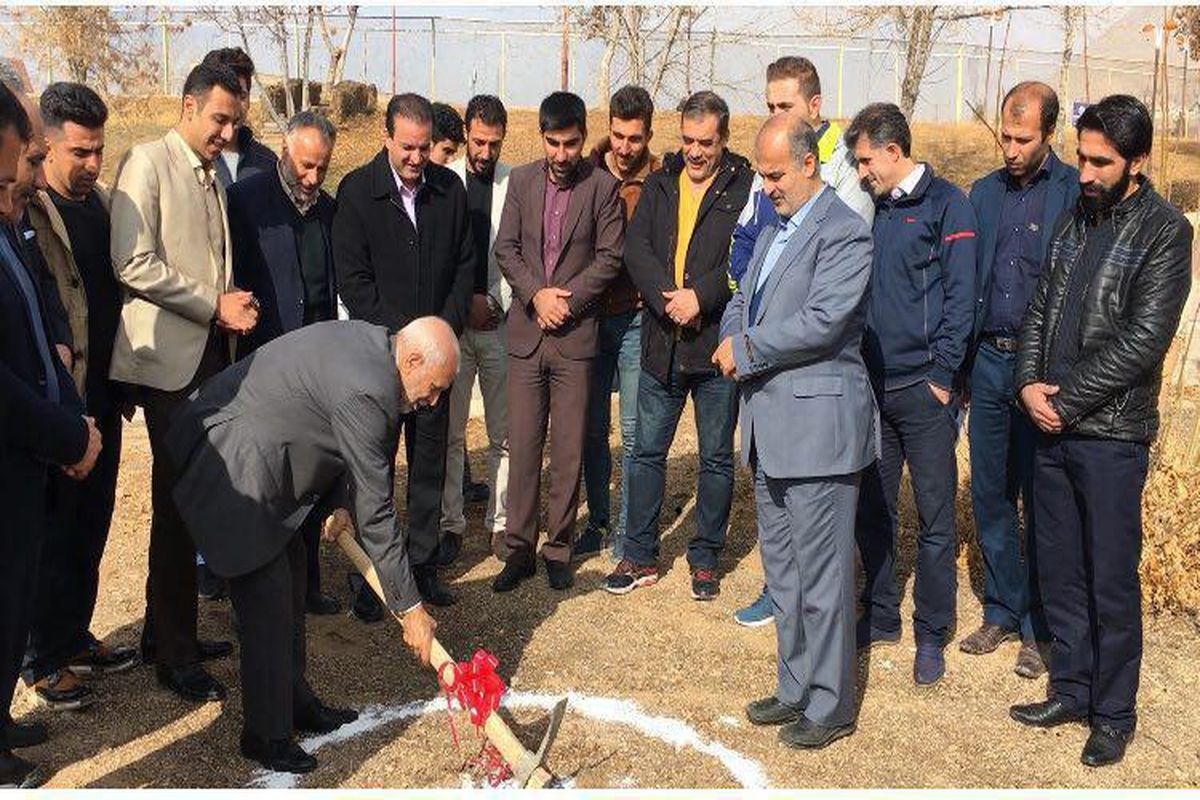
401	188
909	184
575	179
204	174
290	187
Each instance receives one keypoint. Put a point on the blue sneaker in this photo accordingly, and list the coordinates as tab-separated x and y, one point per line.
760	612
929	666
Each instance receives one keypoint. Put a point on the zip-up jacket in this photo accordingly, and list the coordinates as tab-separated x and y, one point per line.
922	295
650	258
1131	310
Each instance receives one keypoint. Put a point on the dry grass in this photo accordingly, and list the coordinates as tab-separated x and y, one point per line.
657	647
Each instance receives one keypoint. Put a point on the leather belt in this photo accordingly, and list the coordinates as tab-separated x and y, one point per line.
1005	344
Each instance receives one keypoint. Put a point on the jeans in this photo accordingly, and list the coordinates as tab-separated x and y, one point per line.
918	429
1088	496
1002	440
660	405
619	357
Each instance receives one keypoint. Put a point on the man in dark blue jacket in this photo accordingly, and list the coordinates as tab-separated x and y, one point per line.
41	427
1017	207
918	327
280	223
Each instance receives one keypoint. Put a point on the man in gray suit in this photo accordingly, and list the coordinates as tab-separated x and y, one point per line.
308	423
791	338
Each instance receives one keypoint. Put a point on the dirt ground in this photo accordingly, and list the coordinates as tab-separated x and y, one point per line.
682	662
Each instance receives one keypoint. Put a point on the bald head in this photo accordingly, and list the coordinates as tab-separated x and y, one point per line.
787	157
30	174
427	359
1028	117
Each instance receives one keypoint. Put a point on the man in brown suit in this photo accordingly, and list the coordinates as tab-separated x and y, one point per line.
559	246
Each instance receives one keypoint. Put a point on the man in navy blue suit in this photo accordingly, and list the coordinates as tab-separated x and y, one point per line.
42	426
1016	207
280	222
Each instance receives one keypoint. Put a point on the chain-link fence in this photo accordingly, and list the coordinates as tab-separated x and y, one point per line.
453	57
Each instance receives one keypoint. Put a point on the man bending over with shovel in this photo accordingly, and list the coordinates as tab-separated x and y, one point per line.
308	424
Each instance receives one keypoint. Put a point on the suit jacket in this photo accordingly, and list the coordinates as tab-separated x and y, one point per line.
266	226
987	197
34	432
314	414
390	273
169	275
807	408
590	258
498	287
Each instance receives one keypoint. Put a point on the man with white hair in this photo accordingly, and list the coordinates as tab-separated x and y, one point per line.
309	421
281	224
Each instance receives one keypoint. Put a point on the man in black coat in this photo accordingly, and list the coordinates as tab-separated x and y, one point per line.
41	426
403	249
677	252
281	225
309	421
1088	372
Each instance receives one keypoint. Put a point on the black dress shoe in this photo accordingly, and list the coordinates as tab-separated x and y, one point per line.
1045	714
277	755
191	683
559	574
366	606
431	587
519	566
320	718
772	711
321	604
17	773
809	735
1105	745
28	734
449	546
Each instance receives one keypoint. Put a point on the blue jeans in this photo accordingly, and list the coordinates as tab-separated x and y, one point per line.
918	429
714	399
1002	440
618	356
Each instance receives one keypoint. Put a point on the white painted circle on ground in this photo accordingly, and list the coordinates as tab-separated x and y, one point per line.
747	772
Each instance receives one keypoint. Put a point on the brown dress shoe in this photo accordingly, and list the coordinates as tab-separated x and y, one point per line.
1031	663
986	639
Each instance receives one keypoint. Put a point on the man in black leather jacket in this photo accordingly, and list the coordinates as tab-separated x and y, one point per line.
1089	369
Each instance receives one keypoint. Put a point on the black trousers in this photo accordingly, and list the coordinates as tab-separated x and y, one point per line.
269	603
1088	503
20	547
69	572
425	435
170	626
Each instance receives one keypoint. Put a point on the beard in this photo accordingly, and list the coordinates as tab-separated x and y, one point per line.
1104	200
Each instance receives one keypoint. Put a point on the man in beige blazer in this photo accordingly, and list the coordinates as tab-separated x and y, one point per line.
482	342
171	253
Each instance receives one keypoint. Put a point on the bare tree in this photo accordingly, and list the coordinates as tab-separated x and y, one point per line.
651	41
337	52
918	27
1072	16
95	44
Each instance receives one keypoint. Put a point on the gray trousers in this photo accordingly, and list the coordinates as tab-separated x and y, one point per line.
806	533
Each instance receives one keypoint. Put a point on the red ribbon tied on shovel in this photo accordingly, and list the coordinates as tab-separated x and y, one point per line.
478	689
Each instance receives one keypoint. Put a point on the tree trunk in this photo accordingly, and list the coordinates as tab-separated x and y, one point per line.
305	56
604	73
917	24
1070	17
